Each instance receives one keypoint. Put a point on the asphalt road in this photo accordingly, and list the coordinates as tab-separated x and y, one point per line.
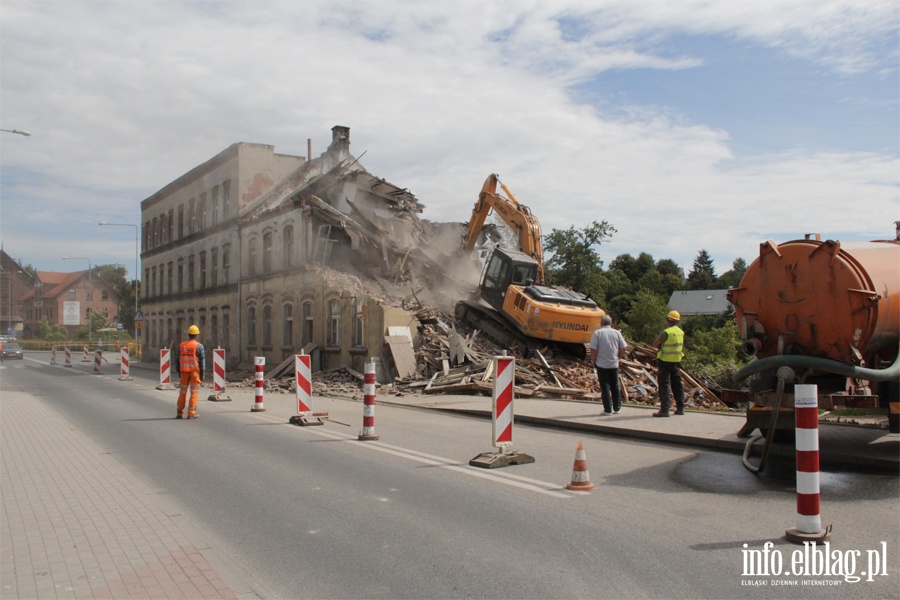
311	512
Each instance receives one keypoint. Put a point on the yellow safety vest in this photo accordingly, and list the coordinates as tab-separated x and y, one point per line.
672	348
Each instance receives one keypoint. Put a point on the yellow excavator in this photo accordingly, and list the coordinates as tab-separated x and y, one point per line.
513	305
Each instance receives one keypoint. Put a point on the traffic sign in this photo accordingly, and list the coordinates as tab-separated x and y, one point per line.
138	315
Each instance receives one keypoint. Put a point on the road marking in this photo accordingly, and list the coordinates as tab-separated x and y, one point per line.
534	485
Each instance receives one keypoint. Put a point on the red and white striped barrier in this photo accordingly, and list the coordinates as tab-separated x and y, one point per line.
303	381
219	377
368	430
86	357
53	355
260	362
502	419
124	364
97	358
806	417
68	357
165	370
505	369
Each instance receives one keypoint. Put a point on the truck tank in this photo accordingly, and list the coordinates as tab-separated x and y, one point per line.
822	299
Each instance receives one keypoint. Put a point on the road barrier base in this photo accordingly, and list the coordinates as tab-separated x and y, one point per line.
799	537
495	460
218	397
306	420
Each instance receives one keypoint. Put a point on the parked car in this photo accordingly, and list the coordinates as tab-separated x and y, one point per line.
12	350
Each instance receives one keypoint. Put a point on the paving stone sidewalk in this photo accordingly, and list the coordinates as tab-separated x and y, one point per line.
76	524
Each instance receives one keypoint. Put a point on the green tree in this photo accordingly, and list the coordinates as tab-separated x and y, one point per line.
646	317
703	274
52	333
573	261
732	279
114	275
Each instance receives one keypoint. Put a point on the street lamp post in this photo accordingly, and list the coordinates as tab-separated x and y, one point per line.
136	274
90	292
17	131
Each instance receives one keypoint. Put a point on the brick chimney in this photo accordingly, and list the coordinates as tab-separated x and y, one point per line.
340	140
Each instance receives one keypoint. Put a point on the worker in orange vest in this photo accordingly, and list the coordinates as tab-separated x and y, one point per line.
190	365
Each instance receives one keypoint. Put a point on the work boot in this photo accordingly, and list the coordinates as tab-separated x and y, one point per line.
179	416
662	413
192	416
680	411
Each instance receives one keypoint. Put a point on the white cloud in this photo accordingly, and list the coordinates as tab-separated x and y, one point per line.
123	97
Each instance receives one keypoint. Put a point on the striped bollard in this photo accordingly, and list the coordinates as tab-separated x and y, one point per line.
260	362
125	364
368	430
85	357
53	355
97	358
219	377
68	357
165	370
806	417
502	418
303	381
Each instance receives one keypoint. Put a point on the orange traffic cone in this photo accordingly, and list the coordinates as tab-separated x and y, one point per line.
581	480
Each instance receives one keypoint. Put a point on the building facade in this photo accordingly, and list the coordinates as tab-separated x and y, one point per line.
249	246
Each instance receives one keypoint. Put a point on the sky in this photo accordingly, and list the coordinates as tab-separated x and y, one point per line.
687	125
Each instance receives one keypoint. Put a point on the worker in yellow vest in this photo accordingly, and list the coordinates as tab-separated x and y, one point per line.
670	351
190	365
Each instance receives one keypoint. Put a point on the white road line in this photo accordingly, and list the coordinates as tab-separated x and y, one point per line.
534	485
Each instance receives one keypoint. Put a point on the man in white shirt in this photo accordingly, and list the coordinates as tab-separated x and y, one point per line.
607	347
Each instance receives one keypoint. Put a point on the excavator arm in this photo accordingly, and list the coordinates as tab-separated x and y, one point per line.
517	216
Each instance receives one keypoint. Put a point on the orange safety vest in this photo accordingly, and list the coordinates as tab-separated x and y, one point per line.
187	357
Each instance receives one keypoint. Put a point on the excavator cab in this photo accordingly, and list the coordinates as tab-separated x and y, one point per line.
505	268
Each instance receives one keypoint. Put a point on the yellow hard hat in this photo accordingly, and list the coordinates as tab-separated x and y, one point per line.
674	315
193	330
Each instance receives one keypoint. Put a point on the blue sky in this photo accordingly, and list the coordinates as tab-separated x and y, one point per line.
685	124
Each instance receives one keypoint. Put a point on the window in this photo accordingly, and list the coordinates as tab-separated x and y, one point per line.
155	231
226	323
171	223
192	216
180	222
202	270
201	212
226	197
251	257
287	250
89	295
169	288
306	335
214	201
251	326
226	262
359	321
334	324
149	281
267	252
180	279
71	294
104	295
267	326
214	267
287	329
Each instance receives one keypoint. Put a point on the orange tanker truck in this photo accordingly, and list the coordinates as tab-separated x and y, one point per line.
824	313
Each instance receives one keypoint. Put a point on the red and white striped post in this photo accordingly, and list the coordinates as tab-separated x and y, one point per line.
124	364
53	355
368	430
303	380
260	362
68	357
806	417
502	418
97	358
86	357
218	394
165	370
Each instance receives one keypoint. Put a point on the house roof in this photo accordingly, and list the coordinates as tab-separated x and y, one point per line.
700	302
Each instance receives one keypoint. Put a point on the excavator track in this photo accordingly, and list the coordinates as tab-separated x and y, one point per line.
488	321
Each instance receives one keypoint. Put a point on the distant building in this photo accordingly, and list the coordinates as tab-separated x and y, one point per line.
65	299
700	302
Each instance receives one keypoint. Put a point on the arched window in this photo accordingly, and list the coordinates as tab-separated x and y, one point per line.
306	333
287	250
334	324
267	326
268	240
251	257
251	326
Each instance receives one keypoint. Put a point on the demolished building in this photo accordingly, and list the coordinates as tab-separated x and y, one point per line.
272	254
